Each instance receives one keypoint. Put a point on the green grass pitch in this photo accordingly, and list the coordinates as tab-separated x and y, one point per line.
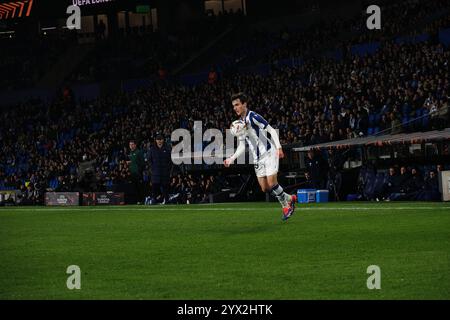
227	251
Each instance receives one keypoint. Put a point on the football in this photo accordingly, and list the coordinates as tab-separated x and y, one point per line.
237	128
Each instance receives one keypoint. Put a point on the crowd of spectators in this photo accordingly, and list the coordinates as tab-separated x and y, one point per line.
401	183
139	53
24	69
191	189
132	56
330	33
399	88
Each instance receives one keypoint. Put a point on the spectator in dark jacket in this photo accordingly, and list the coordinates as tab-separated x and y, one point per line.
317	168
414	185
308	183
430	190
403	180
391	184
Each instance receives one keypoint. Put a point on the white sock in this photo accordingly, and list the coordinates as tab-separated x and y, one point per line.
282	196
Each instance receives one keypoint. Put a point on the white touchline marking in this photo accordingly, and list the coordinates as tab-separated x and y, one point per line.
220	203
88	209
136	209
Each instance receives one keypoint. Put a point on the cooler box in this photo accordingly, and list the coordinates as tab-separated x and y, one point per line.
306	195
322	196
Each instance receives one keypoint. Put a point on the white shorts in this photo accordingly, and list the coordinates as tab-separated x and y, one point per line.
267	164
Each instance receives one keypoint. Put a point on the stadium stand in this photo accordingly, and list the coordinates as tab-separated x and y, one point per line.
391	87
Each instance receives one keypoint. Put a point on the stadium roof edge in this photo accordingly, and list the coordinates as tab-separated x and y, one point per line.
416	137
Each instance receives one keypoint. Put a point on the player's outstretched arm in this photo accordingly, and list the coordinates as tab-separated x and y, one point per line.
239	151
276	140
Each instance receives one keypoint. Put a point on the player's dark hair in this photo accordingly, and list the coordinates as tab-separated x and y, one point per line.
241	96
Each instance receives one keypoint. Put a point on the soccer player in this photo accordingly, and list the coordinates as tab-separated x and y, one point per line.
266	152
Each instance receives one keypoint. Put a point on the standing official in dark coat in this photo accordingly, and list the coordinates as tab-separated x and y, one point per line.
160	165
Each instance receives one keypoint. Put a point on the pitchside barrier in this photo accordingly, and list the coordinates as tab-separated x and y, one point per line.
62	198
103	198
88	198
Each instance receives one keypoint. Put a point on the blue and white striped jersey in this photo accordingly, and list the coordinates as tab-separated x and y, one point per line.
256	134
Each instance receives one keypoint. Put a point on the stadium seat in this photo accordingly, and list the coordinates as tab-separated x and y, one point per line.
368	184
362	175
425	119
379	182
377	118
369	188
370	174
353	197
54	183
405	120
406	109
